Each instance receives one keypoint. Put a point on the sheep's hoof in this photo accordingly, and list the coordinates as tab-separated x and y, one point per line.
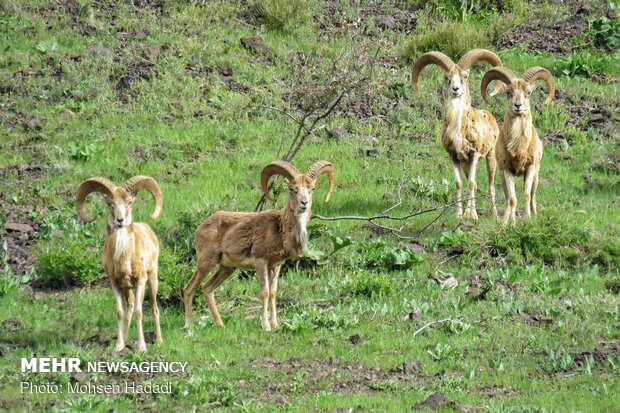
159	342
275	325
470	213
141	348
266	326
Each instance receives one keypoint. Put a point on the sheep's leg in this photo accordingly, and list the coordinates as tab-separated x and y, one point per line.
120	313
262	272
153	286
527	189
472	186
138	311
491	167
218	278
273	291
203	268
131	304
534	189
511	197
459	184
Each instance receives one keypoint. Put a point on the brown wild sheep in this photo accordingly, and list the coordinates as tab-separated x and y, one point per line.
260	241
519	149
130	251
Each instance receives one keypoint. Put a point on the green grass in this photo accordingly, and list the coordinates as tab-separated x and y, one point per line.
206	142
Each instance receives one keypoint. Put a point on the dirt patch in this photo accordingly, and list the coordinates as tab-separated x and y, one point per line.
20	233
542	37
397	16
342	377
439	401
132	72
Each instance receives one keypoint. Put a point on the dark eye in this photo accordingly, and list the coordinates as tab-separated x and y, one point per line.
294	191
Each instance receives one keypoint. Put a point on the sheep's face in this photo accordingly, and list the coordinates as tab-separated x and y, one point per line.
119	209
456	81
518	94
300	196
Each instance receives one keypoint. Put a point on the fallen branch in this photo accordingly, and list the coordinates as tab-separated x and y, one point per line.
418	331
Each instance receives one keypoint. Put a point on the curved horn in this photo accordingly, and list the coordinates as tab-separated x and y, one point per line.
481	55
497	73
540	73
278	167
101	185
140	182
430	58
320	168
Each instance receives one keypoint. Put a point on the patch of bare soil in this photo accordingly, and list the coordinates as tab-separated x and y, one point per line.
132	72
398	16
539	36
587	114
343	377
439	401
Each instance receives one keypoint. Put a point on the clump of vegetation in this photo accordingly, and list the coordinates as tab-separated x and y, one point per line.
283	14
606	31
173	275
547	239
378	254
68	263
583	64
453	39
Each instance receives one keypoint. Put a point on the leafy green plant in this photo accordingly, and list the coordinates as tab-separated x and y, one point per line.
82	151
580	64
560	360
606	31
378	254
68	262
435	190
174	273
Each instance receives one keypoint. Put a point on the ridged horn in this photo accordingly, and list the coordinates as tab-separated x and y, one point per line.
278	167
101	185
430	58
540	73
497	73
320	168
142	182
481	55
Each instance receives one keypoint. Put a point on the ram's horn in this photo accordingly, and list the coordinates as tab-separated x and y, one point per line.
481	55
102	185
497	73
323	167
430	58
540	73
141	182
276	168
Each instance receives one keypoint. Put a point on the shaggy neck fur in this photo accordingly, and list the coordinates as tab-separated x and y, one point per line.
119	238
295	224
519	133
456	108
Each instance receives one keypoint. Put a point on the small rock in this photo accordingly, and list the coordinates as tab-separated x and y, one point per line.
225	70
100	51
370	140
13	226
437	401
597	117
179	164
257	45
153	51
79	376
371	152
385	22
355	338
412	366
33	124
389	196
11	324
337	134
413	314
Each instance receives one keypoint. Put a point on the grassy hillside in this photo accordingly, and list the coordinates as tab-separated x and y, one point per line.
169	89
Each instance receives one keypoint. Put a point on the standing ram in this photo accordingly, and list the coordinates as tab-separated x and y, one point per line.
468	134
261	241
130	251
519	149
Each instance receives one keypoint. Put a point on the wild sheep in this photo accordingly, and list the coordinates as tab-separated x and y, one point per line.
130	251
260	241
519	149
468	134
